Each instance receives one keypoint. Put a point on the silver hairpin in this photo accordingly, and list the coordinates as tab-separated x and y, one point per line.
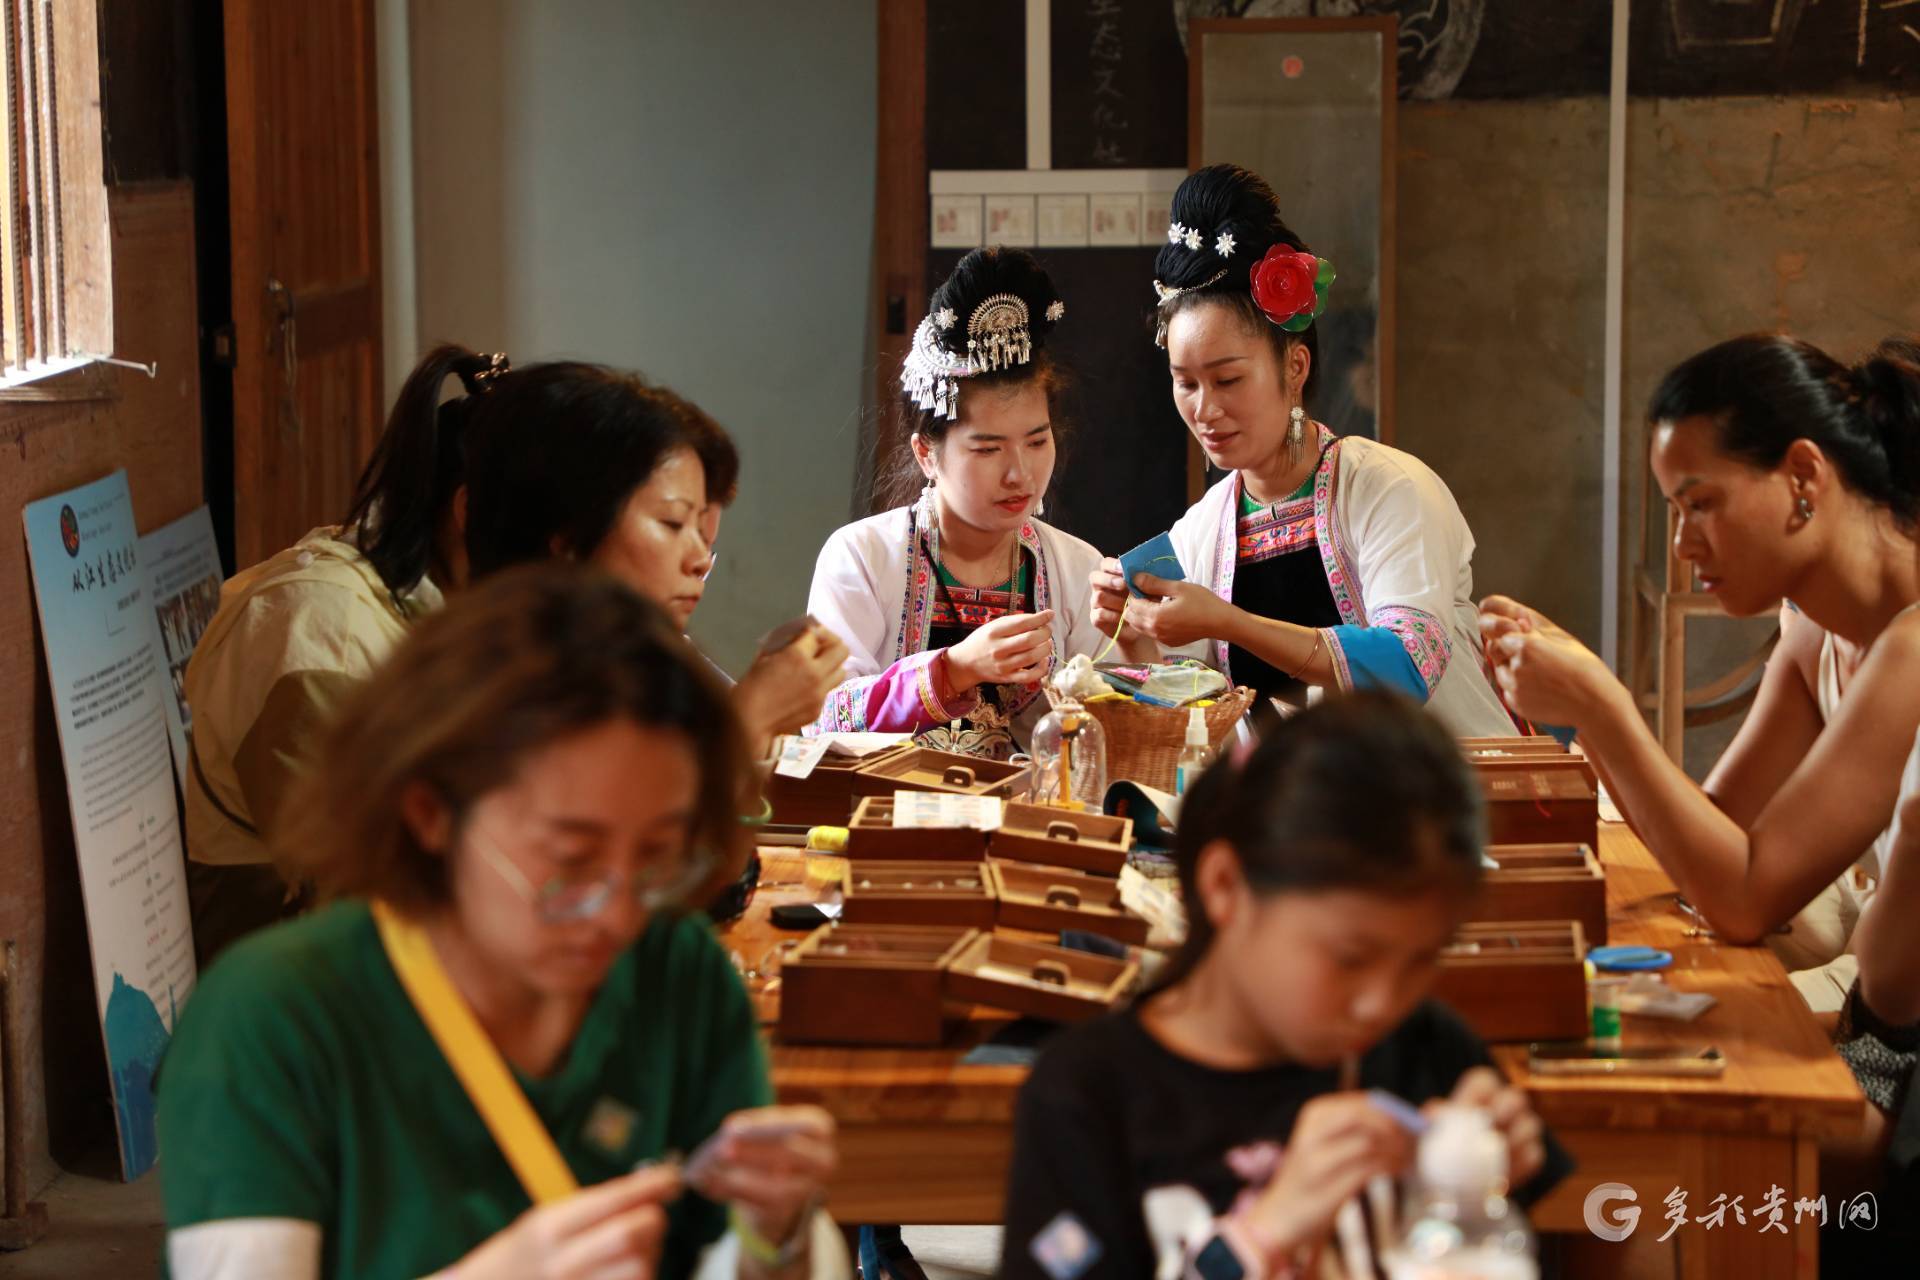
1055	310
1167	293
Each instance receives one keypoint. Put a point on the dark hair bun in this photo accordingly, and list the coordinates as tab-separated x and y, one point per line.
1889	385
982	274
1222	199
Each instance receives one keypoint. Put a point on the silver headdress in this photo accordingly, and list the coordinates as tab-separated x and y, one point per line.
998	337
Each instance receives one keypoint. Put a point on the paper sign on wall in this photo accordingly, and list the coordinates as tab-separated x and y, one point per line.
106	663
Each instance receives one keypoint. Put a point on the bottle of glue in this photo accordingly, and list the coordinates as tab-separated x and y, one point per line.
1196	755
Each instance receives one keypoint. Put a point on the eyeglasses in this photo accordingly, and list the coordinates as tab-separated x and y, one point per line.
563	899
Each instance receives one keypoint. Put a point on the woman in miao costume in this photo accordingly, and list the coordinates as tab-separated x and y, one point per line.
957	606
1317	561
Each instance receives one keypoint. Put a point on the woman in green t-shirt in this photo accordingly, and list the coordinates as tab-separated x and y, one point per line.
477	797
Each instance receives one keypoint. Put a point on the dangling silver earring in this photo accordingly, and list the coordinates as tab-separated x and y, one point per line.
1297	431
1040	507
1805	508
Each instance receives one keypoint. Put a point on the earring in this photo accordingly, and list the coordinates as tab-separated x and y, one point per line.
1298	429
1040	507
1805	508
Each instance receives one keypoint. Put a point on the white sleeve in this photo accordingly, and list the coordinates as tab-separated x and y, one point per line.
1409	541
843	600
245	1249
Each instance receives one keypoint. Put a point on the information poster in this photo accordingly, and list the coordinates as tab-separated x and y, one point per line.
182	566
107	667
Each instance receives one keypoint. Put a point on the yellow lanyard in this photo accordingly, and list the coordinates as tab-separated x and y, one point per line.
482	1072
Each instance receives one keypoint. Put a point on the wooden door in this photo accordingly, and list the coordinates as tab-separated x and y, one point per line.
304	204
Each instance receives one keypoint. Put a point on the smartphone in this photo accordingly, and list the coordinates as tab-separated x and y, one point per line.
1580	1058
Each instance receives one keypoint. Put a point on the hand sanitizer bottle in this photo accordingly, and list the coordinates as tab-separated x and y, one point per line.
1196	755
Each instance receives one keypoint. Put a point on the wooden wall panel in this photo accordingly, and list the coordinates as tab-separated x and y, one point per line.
55	1074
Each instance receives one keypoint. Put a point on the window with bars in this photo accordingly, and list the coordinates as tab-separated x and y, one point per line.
55	258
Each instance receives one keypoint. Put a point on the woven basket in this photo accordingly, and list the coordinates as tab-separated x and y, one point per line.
1144	742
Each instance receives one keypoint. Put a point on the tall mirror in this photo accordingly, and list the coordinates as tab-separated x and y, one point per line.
1309	104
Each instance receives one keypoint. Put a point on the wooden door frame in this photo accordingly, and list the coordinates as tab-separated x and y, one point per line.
1387	28
900	221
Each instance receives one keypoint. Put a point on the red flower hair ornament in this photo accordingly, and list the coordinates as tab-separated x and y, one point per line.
1290	287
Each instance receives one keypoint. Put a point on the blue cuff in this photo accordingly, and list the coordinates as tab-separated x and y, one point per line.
1378	660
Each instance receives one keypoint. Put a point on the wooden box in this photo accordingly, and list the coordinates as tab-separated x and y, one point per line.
1532	744
924	893
1518	981
1546	882
1063	838
924	769
1541	804
826	796
1048	900
871	834
1496	755
1038	980
869	984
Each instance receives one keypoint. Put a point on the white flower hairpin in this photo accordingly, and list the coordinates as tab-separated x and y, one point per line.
1055	310
1176	233
944	318
1224	245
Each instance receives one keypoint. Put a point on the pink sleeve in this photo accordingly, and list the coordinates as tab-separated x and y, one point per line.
908	697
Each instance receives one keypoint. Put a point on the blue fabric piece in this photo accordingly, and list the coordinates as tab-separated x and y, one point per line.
1154	556
1560	733
1378	660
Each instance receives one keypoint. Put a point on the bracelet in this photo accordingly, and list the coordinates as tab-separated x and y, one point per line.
762	1250
1311	655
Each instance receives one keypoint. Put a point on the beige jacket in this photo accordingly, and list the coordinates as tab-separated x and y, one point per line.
293	636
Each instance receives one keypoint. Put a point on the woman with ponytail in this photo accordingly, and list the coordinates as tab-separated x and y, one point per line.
1317	561
1795	478
560	459
1234	1108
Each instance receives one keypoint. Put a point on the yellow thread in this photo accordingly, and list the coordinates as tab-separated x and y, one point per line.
1114	639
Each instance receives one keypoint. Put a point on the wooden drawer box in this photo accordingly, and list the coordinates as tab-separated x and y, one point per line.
1062	838
923	769
826	796
1038	980
871	834
1540	804
1546	882
869	984
958	894
1518	981
1050	900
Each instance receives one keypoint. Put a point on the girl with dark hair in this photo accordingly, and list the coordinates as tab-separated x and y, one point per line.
1338	563
956	606
551	460
1794	477
1323	873
502	940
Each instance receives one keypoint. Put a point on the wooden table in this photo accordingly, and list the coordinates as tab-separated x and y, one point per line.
927	1139
1755	1127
